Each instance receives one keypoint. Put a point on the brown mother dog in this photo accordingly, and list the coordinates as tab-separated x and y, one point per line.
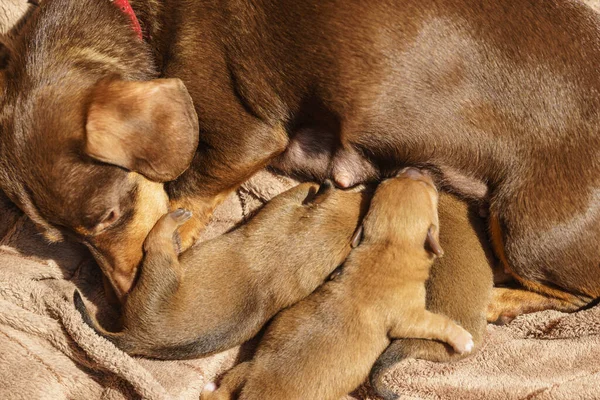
501	98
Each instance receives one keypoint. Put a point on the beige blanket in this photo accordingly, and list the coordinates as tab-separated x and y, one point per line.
47	352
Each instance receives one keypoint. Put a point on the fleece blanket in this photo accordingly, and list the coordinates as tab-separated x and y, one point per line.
48	353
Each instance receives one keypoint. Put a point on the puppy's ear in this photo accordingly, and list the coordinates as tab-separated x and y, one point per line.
432	244
357	237
149	127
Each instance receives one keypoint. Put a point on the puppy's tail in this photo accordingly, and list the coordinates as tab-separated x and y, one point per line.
380	368
115	338
402	349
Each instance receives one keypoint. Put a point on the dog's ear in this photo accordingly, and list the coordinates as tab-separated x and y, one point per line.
149	127
432	244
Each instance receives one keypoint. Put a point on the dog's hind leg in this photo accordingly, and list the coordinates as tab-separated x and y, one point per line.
508	303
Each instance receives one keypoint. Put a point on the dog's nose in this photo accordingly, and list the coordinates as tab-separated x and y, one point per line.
417	175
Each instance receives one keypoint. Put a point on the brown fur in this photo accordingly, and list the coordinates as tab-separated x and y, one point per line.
62	91
459	286
341	329
220	293
439	83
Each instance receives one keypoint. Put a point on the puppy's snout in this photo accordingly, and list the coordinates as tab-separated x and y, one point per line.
318	196
324	188
417	175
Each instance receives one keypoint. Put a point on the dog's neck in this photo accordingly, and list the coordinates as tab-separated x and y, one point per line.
157	20
124	6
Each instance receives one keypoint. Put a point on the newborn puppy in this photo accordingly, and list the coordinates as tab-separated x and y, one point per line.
459	286
220	293
324	346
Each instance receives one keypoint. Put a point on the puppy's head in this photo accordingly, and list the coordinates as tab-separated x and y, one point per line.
404	210
85	146
313	215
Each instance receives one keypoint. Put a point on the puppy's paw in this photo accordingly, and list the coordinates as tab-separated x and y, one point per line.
164	231
208	392
462	341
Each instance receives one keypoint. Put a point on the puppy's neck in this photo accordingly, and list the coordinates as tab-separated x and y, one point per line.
397	260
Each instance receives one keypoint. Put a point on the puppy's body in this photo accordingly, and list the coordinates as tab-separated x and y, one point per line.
500	97
459	286
221	292
324	346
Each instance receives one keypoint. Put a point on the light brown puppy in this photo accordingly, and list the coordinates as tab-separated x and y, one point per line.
338	332
220	293
459	286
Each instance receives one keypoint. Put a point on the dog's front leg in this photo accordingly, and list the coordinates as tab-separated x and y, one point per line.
226	157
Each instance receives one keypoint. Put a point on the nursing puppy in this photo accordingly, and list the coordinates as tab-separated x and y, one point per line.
459	286
220	293
339	331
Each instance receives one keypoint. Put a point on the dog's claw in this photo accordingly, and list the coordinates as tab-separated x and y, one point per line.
181	215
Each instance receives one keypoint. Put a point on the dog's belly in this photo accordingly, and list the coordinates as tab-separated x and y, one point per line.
317	154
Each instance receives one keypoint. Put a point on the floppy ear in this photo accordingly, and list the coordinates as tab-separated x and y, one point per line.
432	243
149	127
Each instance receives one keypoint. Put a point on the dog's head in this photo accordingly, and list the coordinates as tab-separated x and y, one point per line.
85	146
404	209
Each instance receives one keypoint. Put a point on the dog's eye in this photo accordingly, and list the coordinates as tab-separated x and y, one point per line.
107	220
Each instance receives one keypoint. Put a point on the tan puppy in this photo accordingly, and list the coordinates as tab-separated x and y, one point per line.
459	286
220	293
324	346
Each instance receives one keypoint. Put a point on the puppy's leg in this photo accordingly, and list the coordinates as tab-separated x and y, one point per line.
428	325
230	385
160	273
508	303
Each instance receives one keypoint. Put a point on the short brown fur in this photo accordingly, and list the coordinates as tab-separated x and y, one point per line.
459	286
341	329
220	293
351	90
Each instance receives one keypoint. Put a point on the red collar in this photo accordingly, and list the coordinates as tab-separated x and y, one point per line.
124	6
